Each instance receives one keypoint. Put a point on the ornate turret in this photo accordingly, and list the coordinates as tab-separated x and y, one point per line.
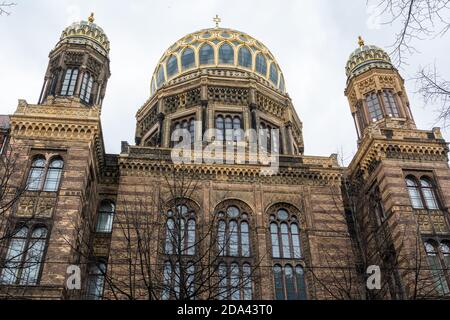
78	70
375	90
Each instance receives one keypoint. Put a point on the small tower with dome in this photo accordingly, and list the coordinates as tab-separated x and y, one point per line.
78	69
375	90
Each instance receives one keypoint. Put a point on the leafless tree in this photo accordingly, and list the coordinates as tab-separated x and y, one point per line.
420	20
145	248
5	8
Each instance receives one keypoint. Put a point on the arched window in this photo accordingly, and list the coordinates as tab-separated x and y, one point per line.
237	128
414	193
226	54
206	55
86	87
96	280
228	128
273	73
36	174
187	59
261	64
437	265
390	103
233	233
186	124
105	217
289	282
70	80
282	85
160	78
286	245
428	194
24	257
153	87
374	107
180	231
245	57
422	194
54	173
234	246
220	128
284	230
172	66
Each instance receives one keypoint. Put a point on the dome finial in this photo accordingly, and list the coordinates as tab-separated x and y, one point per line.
360	41
217	20
91	18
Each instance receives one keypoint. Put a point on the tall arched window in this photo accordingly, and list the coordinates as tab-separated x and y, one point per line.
172	66
187	124
282	85
261	64
180	231
422	193
234	233
24	257
187	59
206	55
285	235
70	80
390	103
96	280
86	87
374	107
160	78
220	128
105	217
237	128
437	263
288	273
228	128
428	193
36	174
234	246
273	73
226	54
53	176
245	57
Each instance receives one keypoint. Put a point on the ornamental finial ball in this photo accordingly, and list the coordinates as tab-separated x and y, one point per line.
360	41
91	18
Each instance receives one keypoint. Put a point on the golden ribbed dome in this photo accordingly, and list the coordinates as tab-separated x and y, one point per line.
217	48
367	57
86	32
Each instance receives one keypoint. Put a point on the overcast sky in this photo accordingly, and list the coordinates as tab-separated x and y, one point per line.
311	40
